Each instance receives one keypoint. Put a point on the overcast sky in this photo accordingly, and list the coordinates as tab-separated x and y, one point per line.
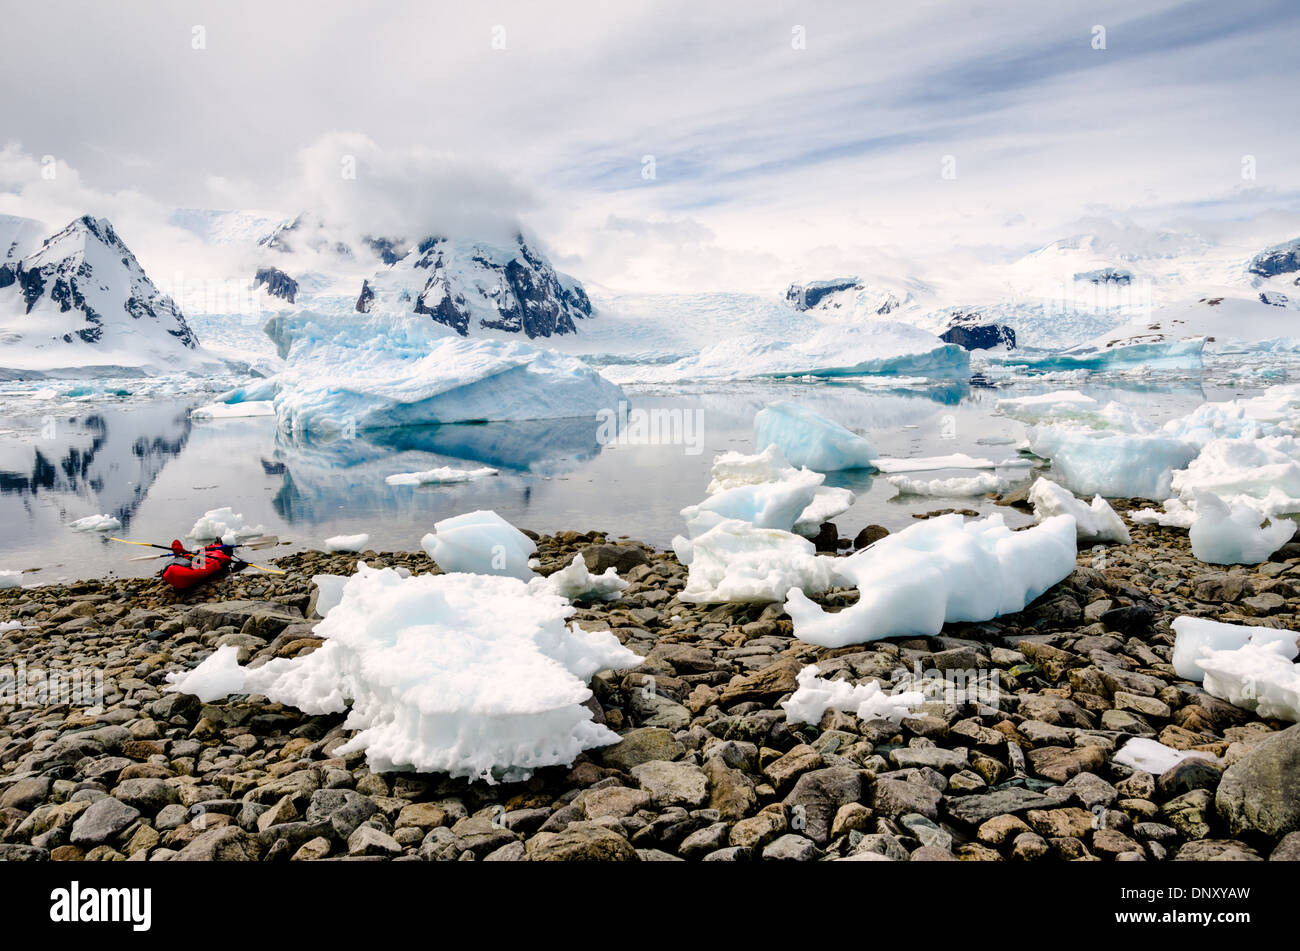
788	139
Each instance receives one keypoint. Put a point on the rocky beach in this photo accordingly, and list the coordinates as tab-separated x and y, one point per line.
1010	759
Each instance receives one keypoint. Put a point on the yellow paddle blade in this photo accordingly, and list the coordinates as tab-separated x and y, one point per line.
127	541
274	571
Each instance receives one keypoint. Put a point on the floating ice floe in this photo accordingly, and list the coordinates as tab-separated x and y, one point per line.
738	561
869	701
575	582
958	460
1054	405
809	439
224	524
95	523
1258	676
734	469
442	475
830	350
1174	513
347	542
1112	464
941	570
482	542
1193	635
1231	534
1095	523
1153	757
1274	412
465	674
233	410
356	372
956	487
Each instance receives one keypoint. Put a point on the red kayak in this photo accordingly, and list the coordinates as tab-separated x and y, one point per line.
190	567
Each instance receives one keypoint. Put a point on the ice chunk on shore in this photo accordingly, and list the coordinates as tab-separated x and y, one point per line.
575	582
11	579
1153	757
1258	676
224	524
1175	514
481	542
1095	523
464	674
1112	464
355	372
441	475
233	410
347	542
869	701
95	523
809	439
828	502
737	561
958	460
956	487
1192	635
1226	534
941	570
1264	473
329	591
765	505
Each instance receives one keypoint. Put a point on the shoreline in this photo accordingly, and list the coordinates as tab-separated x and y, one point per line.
707	766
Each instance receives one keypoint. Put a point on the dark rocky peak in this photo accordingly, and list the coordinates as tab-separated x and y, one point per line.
971	331
278	284
1282	259
807	296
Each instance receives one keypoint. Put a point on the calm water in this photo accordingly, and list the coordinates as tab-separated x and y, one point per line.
156	470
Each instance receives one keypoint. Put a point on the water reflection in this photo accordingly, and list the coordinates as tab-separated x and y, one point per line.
103	462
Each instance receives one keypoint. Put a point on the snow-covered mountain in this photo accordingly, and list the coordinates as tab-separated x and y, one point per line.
81	304
475	285
472	286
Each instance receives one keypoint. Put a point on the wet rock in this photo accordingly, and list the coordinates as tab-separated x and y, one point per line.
1258	792
641	746
580	842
